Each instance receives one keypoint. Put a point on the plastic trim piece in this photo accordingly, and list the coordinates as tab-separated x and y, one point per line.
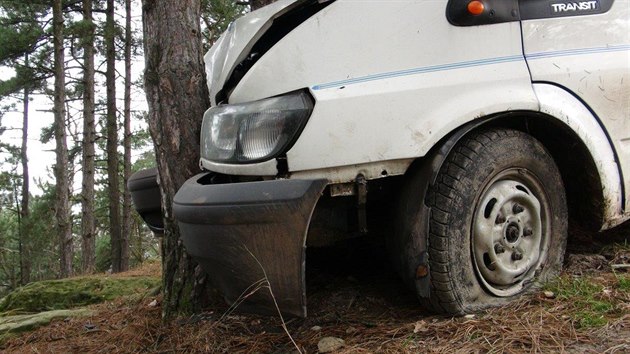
499	11
538	9
246	235
145	193
495	11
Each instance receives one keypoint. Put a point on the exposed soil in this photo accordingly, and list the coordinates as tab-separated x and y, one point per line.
354	296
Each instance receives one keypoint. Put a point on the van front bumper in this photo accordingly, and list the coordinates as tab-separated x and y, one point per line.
250	238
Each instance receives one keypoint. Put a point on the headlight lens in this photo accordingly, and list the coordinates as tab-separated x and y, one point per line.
254	131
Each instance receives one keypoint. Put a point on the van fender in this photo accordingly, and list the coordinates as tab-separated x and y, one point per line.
409	247
560	104
557	104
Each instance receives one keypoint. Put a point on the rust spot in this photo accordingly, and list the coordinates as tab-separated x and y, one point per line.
422	271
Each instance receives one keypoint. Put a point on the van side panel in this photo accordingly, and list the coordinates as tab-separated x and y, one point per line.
594	66
386	87
562	105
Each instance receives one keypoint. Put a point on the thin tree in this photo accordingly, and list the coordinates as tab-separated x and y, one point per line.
112	139
89	137
177	96
62	190
126	216
25	258
23	37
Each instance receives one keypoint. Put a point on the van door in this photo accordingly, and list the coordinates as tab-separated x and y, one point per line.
584	47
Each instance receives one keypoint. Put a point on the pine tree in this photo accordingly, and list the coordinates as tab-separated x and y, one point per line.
22	39
62	190
25	254
88	233
126	217
112	139
216	15
177	97
32	43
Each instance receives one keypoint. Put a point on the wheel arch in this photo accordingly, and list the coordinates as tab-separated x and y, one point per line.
580	150
581	176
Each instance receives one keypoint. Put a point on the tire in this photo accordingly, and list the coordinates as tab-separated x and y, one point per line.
497	222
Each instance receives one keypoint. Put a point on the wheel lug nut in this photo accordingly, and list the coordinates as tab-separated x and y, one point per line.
500	219
498	249
528	232
517	256
517	209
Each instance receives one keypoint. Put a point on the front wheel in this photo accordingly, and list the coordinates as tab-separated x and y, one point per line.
498	222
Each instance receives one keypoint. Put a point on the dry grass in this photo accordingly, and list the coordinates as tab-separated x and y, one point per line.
366	306
536	324
147	269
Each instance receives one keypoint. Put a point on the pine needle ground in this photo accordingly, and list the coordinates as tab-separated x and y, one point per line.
586	310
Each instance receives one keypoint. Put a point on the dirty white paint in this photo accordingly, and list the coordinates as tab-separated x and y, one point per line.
233	46
565	107
594	66
370	171
387	91
385	88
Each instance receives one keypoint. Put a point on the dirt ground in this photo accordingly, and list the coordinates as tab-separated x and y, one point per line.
355	297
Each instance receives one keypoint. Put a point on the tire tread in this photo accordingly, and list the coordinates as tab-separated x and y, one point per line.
444	297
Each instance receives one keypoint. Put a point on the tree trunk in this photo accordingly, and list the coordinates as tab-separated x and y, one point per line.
112	140
62	190
139	247
25	260
126	224
89	137
177	96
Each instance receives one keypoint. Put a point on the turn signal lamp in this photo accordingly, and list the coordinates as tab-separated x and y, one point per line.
476	8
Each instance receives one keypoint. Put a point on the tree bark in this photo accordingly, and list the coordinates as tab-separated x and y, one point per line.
112	140
25	254
177	96
126	216
62	189
89	137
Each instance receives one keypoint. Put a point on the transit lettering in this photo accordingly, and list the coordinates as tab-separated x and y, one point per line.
574	6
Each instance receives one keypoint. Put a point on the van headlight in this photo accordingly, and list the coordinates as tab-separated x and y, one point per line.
254	131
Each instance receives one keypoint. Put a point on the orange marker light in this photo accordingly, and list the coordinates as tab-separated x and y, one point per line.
476	7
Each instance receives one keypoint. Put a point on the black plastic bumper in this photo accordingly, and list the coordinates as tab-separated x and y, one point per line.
145	193
250	239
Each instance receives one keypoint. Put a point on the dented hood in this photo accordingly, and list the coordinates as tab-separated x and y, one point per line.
235	44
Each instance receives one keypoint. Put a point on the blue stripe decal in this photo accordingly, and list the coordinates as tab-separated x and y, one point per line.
467	64
415	71
564	53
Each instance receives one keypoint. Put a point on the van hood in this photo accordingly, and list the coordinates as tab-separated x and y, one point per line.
235	44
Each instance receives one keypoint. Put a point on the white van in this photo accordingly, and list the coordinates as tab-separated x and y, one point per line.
486	125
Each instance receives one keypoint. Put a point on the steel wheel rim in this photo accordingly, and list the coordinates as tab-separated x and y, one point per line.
510	232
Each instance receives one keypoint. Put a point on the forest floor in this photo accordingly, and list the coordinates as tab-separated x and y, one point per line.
354	297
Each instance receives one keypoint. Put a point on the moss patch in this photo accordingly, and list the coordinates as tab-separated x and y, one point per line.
624	283
74	292
590	307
